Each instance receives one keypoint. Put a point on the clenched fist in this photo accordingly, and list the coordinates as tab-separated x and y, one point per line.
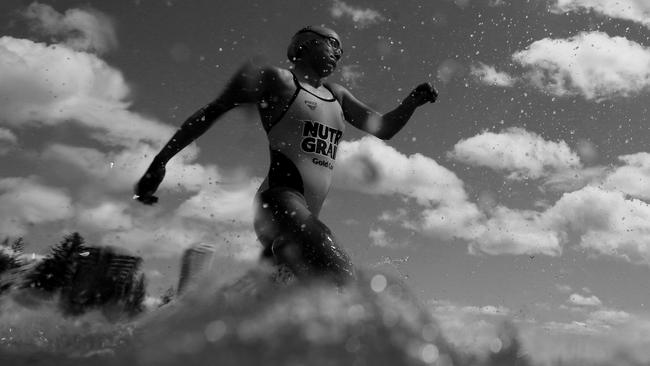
148	184
424	93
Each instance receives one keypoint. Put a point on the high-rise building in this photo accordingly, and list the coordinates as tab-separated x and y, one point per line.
196	260
102	275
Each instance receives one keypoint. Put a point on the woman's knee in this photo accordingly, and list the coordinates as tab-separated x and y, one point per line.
317	255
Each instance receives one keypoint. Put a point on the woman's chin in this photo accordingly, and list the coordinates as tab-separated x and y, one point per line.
327	70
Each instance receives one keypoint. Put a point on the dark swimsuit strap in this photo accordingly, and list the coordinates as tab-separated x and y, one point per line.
286	108
299	86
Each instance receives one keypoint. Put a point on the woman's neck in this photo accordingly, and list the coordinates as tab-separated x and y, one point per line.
308	76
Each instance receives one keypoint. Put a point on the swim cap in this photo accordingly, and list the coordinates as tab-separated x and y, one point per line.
297	44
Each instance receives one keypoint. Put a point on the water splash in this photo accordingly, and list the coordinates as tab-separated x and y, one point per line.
239	323
252	319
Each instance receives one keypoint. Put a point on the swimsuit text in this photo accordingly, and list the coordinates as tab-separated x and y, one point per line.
320	139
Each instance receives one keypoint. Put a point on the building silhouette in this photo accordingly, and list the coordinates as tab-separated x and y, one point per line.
102	276
83	277
196	261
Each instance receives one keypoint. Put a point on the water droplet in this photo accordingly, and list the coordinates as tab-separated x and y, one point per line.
429	353
378	283
215	330
496	345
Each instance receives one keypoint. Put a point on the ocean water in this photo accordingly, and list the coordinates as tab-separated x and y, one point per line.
249	320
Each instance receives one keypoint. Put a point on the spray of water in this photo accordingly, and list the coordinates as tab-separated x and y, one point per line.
254	319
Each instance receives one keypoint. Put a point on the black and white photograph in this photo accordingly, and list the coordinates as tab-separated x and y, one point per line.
325	183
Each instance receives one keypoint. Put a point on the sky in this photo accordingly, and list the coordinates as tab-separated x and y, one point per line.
521	194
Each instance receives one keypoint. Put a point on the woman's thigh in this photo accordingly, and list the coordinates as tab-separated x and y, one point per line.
291	234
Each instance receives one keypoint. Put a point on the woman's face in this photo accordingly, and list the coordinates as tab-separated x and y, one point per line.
322	54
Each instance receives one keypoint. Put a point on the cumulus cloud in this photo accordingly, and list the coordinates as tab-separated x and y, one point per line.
158	232
488	75
632	178
379	237
617	328
573	180
606	222
603	222
577	299
222	203
118	169
594	216
217	213
603	322
7	136
600	212
591	64
84	30
621	342
609	317
476	329
523	154
573	327
517	232
7	140
26	201
361	17
443	306
53	85
370	166
44	85
605	333
106	216
633	10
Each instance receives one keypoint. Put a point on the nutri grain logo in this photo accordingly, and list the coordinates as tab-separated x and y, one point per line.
320	139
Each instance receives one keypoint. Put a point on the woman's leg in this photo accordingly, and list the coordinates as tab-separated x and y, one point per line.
299	239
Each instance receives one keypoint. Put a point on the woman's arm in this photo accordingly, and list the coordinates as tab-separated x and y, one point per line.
387	125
